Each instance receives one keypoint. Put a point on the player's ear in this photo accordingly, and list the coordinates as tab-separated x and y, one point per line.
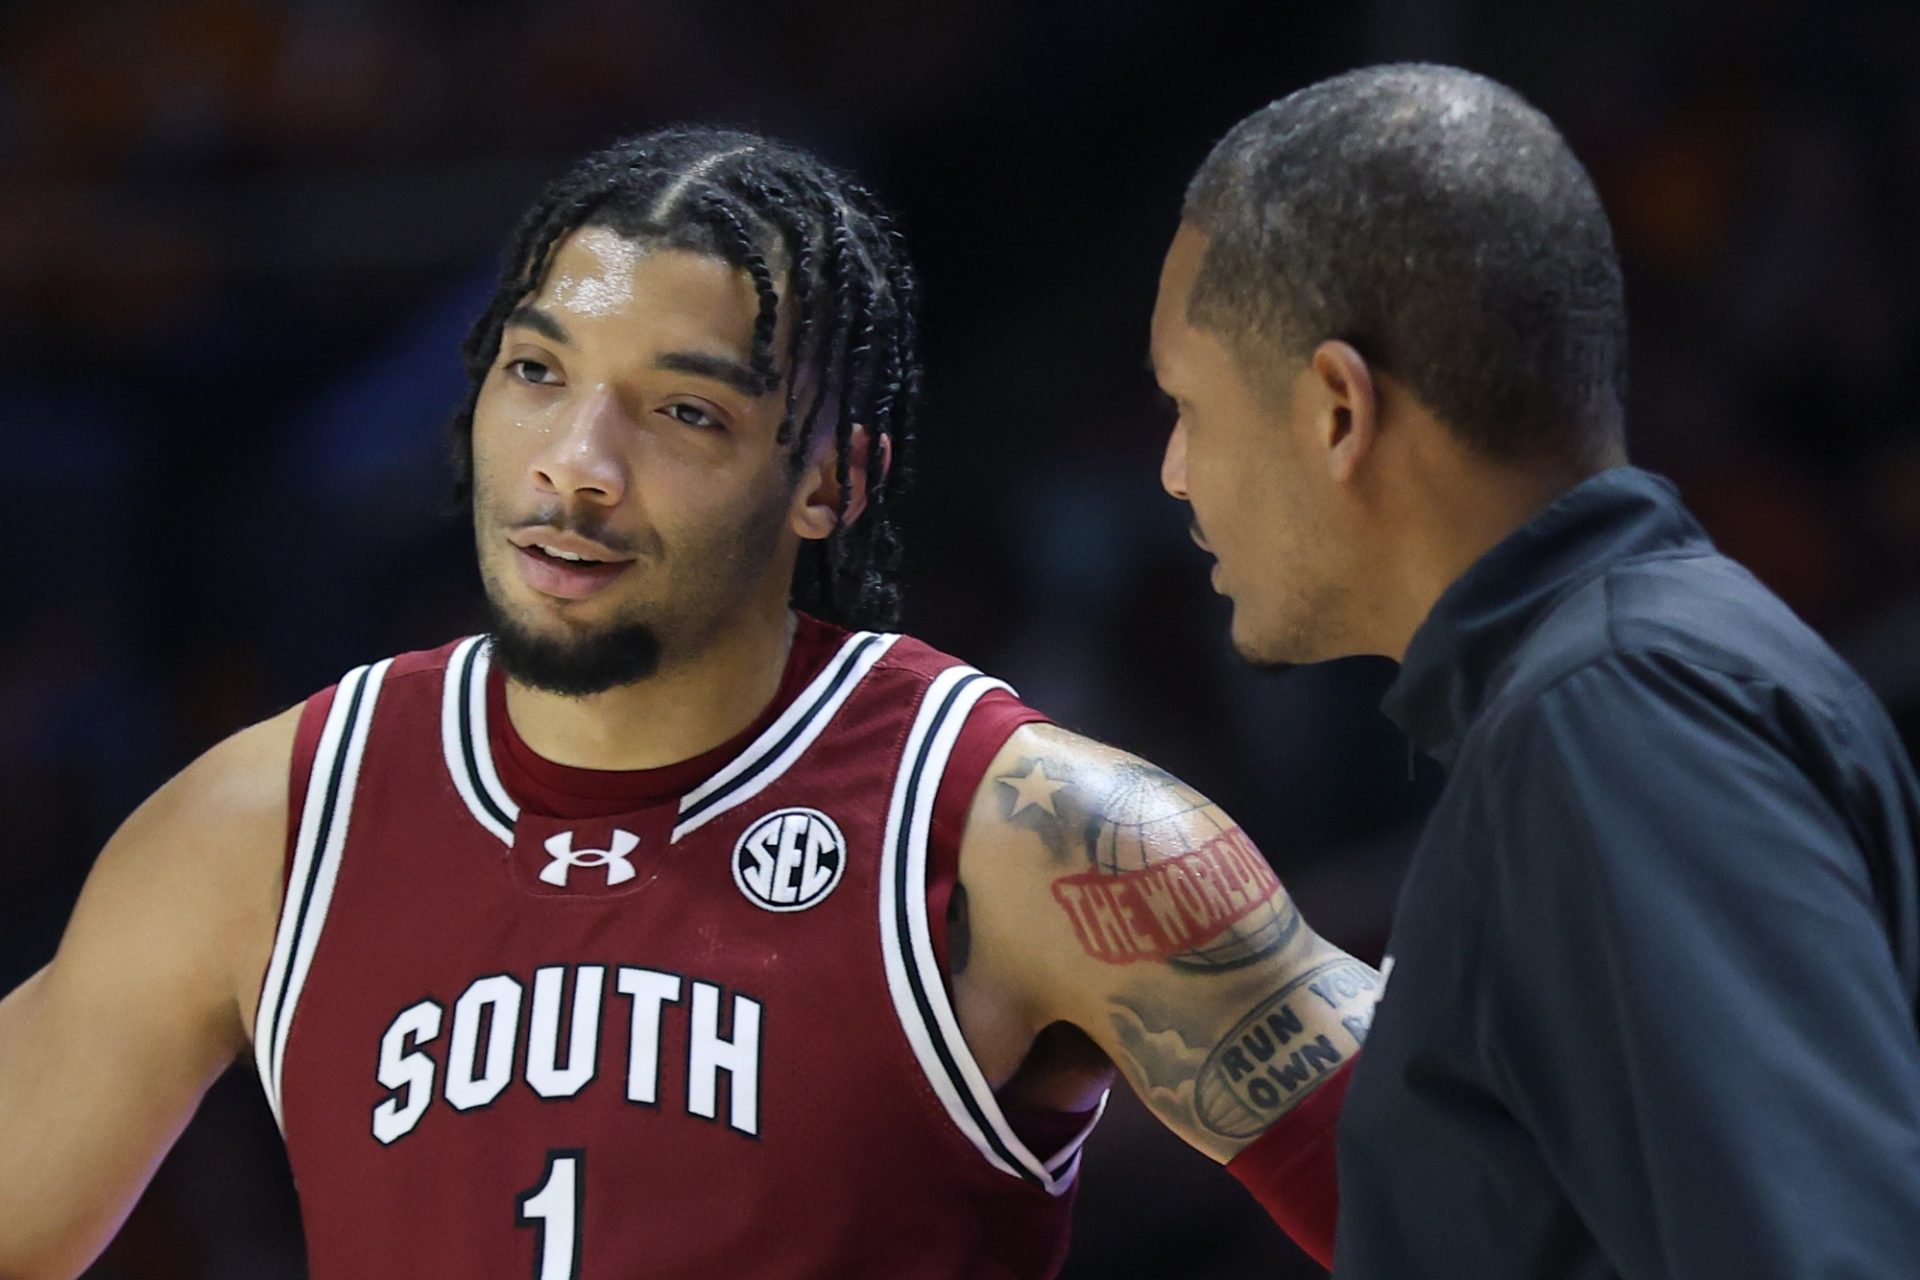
816	499
1347	418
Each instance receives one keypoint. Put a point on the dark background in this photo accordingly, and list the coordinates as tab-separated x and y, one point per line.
239	240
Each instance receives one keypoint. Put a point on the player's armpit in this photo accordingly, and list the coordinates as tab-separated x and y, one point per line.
105	1052
1110	895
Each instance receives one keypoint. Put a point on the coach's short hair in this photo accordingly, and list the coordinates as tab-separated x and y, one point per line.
1440	224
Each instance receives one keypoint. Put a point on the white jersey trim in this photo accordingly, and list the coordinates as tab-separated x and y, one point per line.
785	740
321	837
906	940
466	741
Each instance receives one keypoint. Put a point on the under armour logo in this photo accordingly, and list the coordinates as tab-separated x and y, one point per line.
566	858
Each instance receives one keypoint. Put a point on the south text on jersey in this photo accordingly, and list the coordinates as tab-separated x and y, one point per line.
501	1031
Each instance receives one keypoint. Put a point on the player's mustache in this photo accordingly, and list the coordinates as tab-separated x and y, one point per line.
582	523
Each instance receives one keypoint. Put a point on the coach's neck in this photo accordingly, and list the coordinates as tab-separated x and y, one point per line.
1440	505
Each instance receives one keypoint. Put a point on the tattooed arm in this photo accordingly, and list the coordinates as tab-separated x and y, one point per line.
1107	906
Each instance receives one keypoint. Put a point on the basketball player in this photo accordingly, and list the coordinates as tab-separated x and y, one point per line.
666	930
1656	965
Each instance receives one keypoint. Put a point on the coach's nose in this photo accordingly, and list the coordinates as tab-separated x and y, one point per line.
583	459
1173	467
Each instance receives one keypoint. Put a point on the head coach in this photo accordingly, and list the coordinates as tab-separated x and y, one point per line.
1652	1006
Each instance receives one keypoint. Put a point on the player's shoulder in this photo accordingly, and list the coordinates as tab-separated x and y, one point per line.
1055	784
461	657
1070	749
234	791
907	662
240	784
205	848
911	657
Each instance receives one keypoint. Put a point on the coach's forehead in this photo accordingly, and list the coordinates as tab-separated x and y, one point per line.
1178	271
1172	332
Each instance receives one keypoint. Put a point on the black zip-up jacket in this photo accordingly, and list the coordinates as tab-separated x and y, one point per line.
1652	1009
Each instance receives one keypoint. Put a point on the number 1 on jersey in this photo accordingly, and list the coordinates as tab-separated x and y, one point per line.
554	1210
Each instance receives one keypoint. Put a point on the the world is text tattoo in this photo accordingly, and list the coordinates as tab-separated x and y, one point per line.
1170	908
1161	875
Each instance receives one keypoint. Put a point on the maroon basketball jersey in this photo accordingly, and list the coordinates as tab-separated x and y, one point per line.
524	1020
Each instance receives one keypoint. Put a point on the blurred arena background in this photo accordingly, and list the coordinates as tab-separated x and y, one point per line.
240	239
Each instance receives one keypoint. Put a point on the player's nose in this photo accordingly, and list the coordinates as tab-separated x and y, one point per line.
584	458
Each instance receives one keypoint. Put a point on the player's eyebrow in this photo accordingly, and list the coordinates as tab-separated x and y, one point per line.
528	316
723	369
717	368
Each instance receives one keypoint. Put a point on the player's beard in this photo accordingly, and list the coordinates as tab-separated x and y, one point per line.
579	662
578	665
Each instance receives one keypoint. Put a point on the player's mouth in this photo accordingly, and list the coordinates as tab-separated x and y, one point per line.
564	565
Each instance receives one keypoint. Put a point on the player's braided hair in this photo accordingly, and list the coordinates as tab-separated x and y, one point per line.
784	218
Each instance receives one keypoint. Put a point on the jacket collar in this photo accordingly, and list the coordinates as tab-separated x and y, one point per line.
1458	658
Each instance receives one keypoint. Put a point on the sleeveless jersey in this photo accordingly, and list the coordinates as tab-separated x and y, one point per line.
522	1020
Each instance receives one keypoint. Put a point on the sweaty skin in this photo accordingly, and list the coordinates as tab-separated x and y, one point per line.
1110	918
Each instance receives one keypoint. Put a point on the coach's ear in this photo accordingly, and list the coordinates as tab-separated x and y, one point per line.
816	499
1347	416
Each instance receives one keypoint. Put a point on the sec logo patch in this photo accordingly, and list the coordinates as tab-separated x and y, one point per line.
790	860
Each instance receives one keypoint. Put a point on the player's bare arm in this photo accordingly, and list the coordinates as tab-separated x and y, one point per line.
1109	915
105	1053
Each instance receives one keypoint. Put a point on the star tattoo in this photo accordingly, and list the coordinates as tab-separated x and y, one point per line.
1034	791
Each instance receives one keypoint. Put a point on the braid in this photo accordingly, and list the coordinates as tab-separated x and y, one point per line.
804	235
793	229
848	318
740	242
902	398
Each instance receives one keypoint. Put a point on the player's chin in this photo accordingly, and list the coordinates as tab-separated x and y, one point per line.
557	620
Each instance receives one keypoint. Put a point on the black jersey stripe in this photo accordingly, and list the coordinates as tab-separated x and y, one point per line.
849	663
328	806
468	756
915	981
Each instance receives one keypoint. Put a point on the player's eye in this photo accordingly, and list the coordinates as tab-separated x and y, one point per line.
692	416
532	371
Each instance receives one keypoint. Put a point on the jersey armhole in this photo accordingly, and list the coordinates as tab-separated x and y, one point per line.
306	745
995	718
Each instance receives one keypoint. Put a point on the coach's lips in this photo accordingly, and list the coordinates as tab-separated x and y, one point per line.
565	565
